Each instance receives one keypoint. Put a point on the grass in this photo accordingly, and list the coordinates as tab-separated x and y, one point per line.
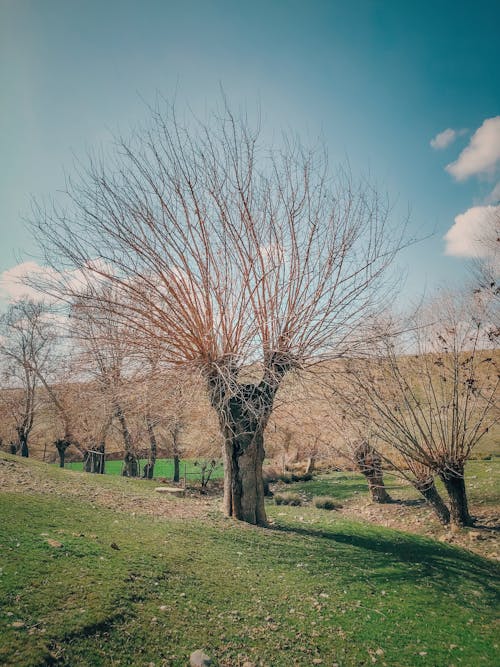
482	478
314	586
163	468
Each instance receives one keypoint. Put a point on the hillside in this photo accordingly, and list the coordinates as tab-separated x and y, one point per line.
100	571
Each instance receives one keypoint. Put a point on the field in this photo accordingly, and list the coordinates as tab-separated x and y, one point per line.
100	570
163	468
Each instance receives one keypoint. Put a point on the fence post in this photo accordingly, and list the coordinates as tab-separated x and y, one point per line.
185	476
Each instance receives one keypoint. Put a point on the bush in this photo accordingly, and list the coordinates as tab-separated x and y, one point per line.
325	503
287	499
302	477
288	478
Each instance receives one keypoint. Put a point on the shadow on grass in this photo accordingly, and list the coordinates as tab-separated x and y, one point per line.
341	489
422	559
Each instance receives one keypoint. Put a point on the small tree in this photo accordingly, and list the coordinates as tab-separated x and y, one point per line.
26	340
225	256
104	351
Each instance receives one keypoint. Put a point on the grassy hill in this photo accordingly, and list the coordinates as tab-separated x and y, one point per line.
101	571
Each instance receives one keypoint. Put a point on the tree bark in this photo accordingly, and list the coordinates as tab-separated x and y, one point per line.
62	445
453	479
243	411
428	489
153	450
176	468
23	445
370	465
130	460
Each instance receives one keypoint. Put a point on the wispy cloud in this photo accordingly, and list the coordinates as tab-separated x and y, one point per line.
494	196
481	155
469	234
444	139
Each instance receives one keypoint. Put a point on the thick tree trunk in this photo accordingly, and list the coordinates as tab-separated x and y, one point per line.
243	483
428	489
243	411
453	479
370	465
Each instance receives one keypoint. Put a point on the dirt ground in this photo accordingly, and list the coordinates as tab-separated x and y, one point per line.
412	516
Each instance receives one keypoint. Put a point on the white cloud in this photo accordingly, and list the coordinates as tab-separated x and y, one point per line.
494	196
482	154
12	287
470	234
444	139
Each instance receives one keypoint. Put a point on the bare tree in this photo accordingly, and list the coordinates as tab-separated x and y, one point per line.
486	272
432	405
225	256
26	340
104	352
357	444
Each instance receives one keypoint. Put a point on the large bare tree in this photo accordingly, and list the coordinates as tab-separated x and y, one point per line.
225	255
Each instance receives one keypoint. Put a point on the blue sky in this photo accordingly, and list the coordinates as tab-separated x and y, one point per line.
376	80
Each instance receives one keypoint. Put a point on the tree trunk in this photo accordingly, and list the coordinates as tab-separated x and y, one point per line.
310	465
243	483
130	460
370	465
62	445
23	445
176	468
153	449
87	462
243	411
130	466
453	479
428	489
62	455
100	463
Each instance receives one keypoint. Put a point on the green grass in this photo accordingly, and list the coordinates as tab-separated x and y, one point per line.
482	478
313	586
163	468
